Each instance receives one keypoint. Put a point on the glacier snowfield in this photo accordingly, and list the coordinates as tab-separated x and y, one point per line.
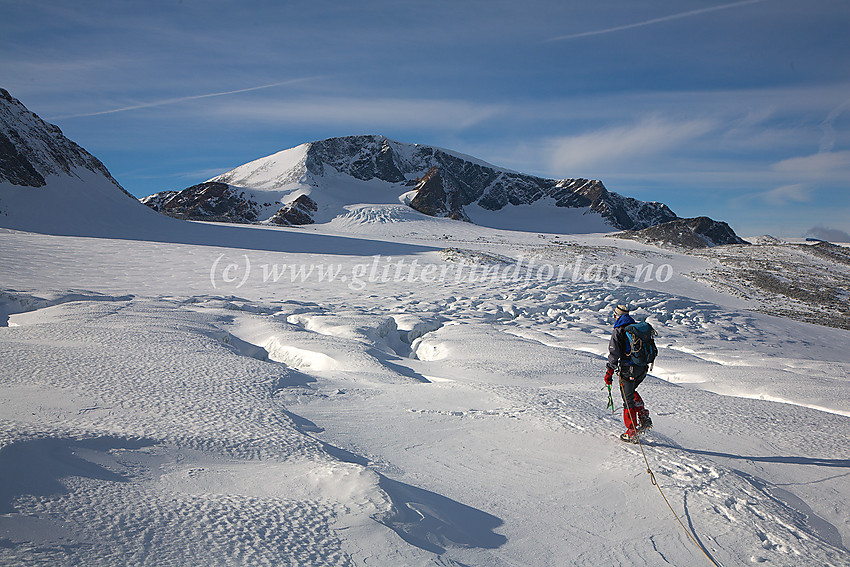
168	402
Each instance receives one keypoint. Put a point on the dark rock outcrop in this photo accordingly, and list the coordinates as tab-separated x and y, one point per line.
297	212
157	201
362	157
699	232
433	200
14	166
209	201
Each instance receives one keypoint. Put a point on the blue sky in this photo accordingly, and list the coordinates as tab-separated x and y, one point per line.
735	110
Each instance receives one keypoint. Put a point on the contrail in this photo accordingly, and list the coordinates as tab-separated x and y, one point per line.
655	20
828	139
176	100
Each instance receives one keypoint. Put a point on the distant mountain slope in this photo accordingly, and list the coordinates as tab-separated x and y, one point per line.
340	172
50	184
32	150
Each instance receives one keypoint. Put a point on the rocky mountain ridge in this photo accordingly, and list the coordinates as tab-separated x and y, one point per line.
32	150
698	232
211	201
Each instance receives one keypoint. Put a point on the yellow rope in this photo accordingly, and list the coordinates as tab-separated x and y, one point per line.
655	483
690	535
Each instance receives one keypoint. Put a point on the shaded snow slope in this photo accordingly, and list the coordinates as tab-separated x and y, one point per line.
50	184
82	204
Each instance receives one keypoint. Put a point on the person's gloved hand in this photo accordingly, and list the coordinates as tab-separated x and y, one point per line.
608	380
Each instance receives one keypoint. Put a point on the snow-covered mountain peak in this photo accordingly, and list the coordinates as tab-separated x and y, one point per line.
327	177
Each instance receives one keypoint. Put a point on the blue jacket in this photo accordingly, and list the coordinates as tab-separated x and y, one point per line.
618	346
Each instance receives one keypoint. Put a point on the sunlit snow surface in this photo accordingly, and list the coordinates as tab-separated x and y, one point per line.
169	396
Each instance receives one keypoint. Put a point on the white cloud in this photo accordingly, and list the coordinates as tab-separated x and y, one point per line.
611	146
823	165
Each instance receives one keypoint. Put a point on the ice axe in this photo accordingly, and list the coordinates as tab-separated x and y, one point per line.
610	400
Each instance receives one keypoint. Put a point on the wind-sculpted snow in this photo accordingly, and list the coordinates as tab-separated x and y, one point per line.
112	501
547	391
139	356
154	411
175	446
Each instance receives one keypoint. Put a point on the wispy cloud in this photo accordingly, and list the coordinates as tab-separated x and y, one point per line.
365	112
680	15
828	138
777	200
177	100
822	165
786	195
614	145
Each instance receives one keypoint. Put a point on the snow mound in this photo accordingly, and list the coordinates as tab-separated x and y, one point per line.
765	240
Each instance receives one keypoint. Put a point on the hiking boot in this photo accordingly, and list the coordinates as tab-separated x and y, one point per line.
629	436
645	423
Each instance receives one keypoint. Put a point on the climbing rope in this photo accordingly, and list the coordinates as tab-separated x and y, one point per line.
654	482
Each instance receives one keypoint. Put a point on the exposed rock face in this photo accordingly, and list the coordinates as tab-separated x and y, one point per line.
622	212
32	150
297	212
699	232
465	181
157	201
208	201
433	200
14	166
220	202
362	157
